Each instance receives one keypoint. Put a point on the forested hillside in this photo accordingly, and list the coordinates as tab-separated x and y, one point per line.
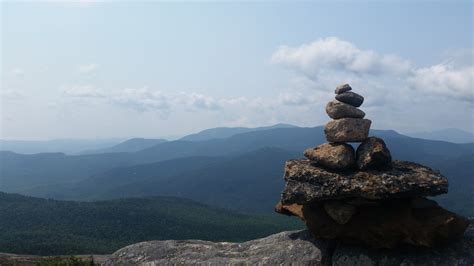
49	227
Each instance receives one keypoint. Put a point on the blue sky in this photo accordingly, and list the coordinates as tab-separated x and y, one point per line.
92	69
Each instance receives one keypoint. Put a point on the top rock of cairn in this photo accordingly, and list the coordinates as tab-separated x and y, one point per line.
361	195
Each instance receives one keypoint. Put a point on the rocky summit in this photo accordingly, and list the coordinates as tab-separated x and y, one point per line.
295	248
307	183
364	197
288	248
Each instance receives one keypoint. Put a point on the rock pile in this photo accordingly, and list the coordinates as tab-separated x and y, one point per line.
362	196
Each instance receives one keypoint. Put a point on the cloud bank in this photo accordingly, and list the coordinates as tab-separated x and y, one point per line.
328	59
333	54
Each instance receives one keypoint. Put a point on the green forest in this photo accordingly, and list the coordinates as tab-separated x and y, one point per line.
50	227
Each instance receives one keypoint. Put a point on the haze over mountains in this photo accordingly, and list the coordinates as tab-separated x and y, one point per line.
449	134
91	146
220	167
68	146
129	145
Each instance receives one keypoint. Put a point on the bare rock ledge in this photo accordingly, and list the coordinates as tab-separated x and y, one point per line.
307	183
290	248
285	248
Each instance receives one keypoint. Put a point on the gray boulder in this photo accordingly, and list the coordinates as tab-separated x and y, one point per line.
332	155
342	88
336	109
373	153
347	130
286	248
351	98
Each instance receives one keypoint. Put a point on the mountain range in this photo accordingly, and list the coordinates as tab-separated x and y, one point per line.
68	146
243	171
130	145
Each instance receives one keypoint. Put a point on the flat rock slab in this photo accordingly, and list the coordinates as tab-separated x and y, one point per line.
286	248
307	183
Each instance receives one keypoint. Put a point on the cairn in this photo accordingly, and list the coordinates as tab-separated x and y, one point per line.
362	196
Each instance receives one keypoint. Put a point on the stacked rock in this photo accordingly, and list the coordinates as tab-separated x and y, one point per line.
363	196
348	125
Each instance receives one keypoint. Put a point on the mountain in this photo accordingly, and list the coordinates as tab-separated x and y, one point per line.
130	145
19	172
69	146
225	132
50	227
22	172
450	134
249	182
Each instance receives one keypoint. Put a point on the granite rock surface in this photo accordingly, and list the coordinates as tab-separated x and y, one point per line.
332	155
347	130
337	110
307	183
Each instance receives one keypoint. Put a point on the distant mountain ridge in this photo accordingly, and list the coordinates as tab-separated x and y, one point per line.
449	134
207	170
130	145
250	182
225	132
18	171
68	146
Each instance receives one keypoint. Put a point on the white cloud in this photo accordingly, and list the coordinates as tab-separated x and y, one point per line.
294	98
83	91
17	72
88	69
445	79
335	55
9	94
331	61
141	99
398	94
194	100
146	99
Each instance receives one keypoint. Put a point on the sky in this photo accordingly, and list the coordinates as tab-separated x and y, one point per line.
104	69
